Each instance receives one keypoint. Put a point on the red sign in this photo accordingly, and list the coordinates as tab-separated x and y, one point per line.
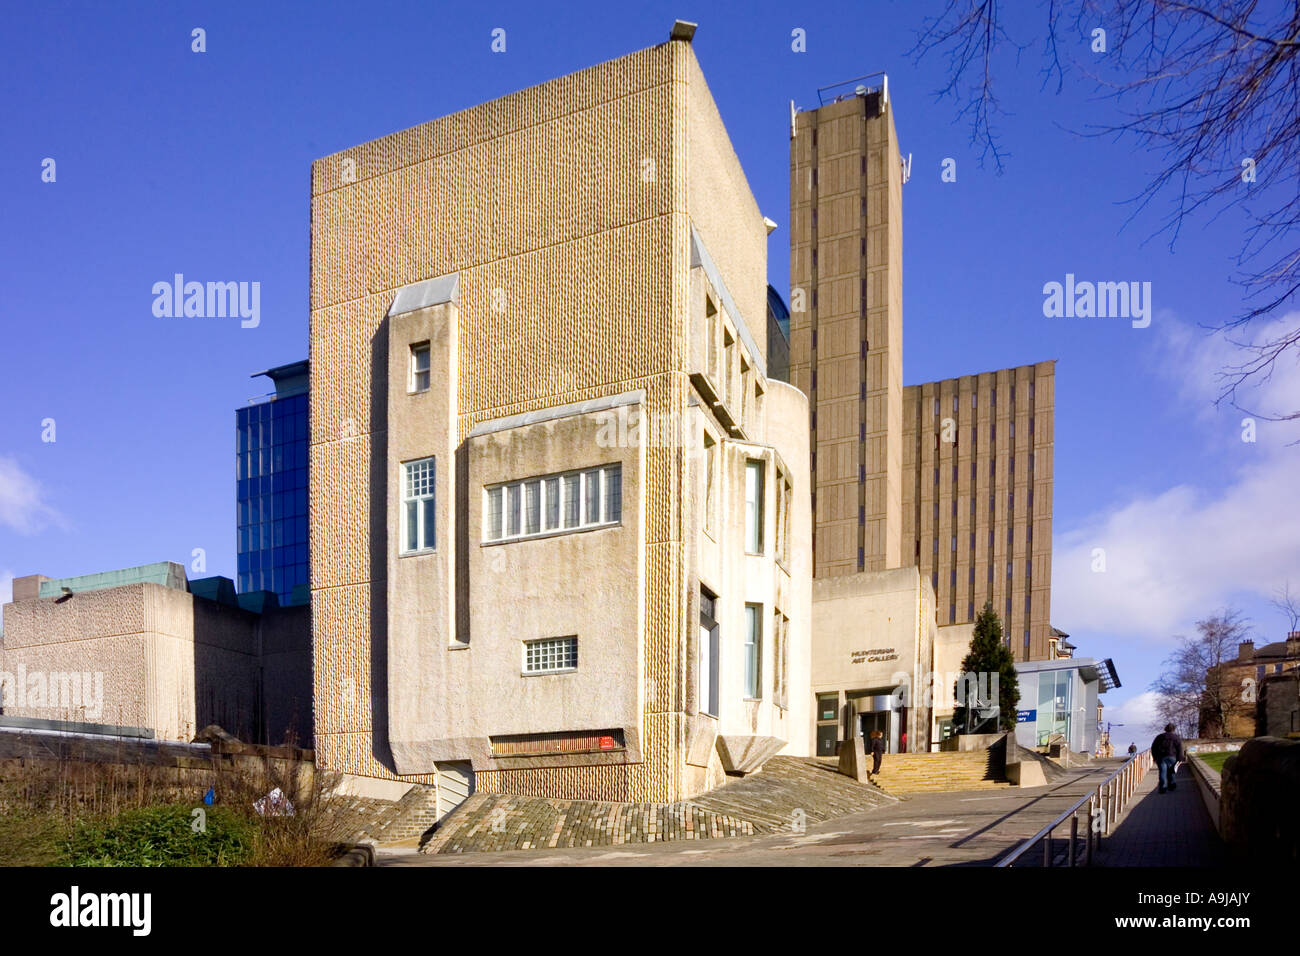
606	743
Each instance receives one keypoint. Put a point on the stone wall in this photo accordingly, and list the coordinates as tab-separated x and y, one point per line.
1259	811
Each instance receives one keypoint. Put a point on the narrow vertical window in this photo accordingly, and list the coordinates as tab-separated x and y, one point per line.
418	516
709	653
591	492
514	508
572	499
532	507
420	367
495	514
753	649
754	507
613	494
551	492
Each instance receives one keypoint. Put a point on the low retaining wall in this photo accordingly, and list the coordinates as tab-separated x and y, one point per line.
1210	785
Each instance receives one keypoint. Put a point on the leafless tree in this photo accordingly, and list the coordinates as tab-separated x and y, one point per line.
1289	605
1195	691
1205	86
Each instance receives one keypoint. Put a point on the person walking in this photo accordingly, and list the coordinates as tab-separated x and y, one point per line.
1167	752
1132	749
877	751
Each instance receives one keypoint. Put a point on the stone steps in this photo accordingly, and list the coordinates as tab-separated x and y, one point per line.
940	772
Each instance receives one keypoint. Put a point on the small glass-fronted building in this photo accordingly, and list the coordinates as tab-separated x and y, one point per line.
1058	701
271	486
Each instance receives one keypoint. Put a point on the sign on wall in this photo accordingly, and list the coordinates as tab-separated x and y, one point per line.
873	655
1026	716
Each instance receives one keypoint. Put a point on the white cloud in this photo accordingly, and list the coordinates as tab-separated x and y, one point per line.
1194	359
1177	553
22	504
1139	717
6	587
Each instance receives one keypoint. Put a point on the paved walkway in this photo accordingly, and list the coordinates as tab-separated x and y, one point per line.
960	828
1165	829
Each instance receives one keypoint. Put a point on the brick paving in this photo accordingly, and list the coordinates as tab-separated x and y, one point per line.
1165	829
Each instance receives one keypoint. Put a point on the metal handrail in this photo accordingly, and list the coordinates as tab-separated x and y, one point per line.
1111	796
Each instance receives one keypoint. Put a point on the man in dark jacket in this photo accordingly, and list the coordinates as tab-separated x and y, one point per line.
877	750
1167	752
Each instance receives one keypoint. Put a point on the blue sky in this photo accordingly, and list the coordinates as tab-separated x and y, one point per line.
173	161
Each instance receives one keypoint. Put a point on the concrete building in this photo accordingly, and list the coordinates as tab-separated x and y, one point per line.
271	450
977	496
559	507
1059	702
875	636
954	477
145	648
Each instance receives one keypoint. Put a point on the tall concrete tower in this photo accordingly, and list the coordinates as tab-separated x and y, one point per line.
846	322
955	476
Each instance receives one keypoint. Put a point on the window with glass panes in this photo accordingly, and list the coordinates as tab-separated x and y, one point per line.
548	504
754	506
551	655
271	496
420	367
418	515
753	649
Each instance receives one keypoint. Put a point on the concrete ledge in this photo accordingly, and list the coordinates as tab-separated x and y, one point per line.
76	727
359	854
745	753
1211	786
963	743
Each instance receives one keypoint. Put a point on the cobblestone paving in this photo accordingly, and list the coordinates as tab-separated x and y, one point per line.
787	796
972	828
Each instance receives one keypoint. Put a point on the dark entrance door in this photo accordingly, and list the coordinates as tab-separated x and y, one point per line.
878	720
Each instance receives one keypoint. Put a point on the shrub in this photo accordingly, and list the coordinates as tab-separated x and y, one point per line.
163	836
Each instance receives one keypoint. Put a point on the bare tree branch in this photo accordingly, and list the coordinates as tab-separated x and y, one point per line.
1210	88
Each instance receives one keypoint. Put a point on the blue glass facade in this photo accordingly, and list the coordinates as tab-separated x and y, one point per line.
271	481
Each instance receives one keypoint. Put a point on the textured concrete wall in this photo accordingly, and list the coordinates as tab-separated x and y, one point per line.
846	335
876	610
565	211
168	661
956	527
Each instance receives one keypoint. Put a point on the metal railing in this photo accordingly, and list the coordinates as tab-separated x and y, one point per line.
1104	806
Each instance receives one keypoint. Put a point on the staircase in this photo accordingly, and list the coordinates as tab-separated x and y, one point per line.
935	772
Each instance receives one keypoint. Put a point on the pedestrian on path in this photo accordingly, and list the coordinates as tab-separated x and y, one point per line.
877	750
1132	749
1167	752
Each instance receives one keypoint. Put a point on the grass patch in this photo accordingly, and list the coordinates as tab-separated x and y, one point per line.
1215	760
32	839
163	836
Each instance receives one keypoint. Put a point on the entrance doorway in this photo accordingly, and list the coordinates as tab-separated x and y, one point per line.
879	720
